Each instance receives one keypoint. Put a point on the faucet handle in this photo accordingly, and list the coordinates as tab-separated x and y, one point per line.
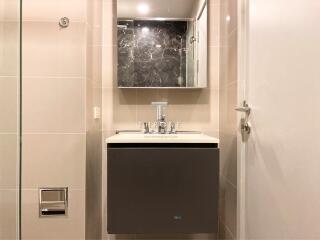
146	127
173	128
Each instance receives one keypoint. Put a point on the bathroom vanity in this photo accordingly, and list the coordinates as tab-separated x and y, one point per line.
162	183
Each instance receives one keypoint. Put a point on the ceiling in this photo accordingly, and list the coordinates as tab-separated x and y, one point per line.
157	8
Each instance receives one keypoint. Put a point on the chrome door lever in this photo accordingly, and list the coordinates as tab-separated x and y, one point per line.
245	126
245	108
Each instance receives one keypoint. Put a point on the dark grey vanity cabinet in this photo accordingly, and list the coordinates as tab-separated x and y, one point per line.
162	188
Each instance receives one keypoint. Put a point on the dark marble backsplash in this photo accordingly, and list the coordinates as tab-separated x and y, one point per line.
152	53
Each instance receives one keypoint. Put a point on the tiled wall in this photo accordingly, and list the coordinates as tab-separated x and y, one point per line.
124	109
54	114
9	114
228	119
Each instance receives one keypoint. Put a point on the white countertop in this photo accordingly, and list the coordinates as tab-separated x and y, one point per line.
161	138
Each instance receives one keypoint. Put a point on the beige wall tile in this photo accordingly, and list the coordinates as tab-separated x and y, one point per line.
54	105
9	11
214	69
109	22
9	214
228	116
215	2
228	205
48	10
189	107
94	36
94	13
228	157
54	160
119	109
214	25
53	52
109	69
9	48
228	119
94	65
195	110
145	111
228	18
228	129
9	161
228	61
68	227
9	104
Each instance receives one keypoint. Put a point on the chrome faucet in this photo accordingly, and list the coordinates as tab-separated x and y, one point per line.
162	125
161	118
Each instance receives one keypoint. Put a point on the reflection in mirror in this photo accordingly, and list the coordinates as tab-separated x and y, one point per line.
162	44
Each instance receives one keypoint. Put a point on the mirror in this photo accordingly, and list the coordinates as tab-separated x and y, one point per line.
162	44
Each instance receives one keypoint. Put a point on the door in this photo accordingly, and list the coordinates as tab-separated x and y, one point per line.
279	164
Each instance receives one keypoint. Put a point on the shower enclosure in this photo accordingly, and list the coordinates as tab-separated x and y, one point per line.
10	119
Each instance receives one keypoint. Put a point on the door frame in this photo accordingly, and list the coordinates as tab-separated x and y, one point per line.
242	76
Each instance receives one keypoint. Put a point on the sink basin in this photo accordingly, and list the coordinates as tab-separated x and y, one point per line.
161	138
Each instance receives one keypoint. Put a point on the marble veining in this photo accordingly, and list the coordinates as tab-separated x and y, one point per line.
152	53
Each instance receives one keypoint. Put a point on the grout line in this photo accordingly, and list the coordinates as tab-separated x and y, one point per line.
37	188
49	21
9	189
54	133
56	77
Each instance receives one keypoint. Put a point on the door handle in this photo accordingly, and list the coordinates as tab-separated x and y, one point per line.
245	108
245	126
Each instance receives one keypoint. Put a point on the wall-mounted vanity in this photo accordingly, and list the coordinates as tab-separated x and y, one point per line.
162	183
162	44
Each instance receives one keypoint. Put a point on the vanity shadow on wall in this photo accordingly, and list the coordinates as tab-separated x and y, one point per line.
162	45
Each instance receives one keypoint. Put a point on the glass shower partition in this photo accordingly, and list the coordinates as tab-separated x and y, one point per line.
10	118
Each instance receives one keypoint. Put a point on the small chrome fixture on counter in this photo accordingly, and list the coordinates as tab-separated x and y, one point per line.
53	202
158	127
